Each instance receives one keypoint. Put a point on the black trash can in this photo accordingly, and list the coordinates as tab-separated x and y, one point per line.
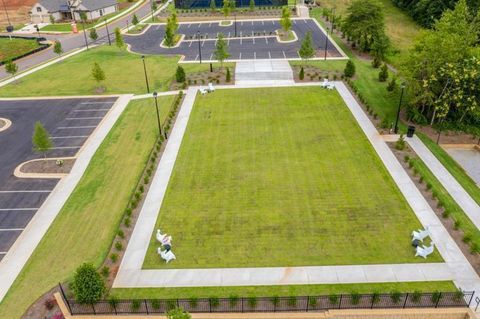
410	131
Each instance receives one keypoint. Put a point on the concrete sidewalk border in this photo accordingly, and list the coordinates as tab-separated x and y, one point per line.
18	255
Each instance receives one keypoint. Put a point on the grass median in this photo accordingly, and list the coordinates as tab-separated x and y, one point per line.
85	227
10	49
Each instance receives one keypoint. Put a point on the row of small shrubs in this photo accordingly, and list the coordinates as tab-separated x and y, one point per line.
252	302
361	98
445	202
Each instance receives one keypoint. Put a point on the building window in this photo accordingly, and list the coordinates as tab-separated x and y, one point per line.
39	9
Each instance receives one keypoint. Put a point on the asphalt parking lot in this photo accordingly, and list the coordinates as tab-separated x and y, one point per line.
251	40
70	122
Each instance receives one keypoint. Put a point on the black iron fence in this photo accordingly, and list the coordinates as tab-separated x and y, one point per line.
274	304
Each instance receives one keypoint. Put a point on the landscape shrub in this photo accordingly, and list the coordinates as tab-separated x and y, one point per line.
354	298
49	303
349	69
118	246
301	75
383	74
105	271
113	257
252	302
395	296
88	286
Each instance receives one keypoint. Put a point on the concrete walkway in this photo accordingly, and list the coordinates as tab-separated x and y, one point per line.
20	252
456	266
275	72
458	193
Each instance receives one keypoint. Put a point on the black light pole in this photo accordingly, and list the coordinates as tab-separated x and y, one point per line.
108	33
235	15
398	111
145	71
151	8
9	27
158	116
83	27
326	44
199	47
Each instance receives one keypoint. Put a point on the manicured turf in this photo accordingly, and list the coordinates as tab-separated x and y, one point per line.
84	229
10	49
283	291
123	71
281	177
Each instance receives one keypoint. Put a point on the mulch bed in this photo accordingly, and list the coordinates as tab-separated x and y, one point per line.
448	223
314	74
48	166
217	77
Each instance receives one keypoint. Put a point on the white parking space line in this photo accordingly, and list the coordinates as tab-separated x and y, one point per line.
305	21
228	35
11	229
87	103
299	55
253	40
263	23
3	252
17	209
84	118
188	27
294	22
190	44
266	40
269	55
25	191
157	27
252	22
241	23
228	42
198	26
241	41
72	136
210	24
284	56
211	57
74	127
240	57
65	147
254	55
91	110
196	58
273	22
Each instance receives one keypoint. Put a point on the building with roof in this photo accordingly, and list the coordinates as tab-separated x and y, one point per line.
66	10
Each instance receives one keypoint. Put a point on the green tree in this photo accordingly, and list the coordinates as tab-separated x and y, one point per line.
226	8
392	85
169	37
285	20
451	43
83	16
178	313
364	23
97	73
119	38
88	286
307	50
154	6
52	19
349	69
11	68
41	140
93	34
57	48
221	49
213	5
134	19
383	74
252	5
228	77
180	74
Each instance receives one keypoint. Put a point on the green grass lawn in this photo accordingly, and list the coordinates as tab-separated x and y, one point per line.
281	291
281	177
123	71
10	49
84	229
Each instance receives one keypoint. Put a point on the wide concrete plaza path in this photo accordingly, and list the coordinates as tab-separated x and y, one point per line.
456	267
271	72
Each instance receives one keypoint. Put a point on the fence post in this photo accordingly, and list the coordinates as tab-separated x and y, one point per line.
274	307
438	299
242	304
210	305
65	298
178	304
405	302
93	308
146	305
308	301
115	308
471	298
340	302
373	300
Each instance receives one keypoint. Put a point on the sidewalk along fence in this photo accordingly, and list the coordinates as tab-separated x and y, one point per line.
274	304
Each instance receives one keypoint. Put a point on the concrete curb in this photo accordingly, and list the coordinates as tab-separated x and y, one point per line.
8	123
18	170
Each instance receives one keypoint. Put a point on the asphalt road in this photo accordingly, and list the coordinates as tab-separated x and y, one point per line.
69	122
250	40
71	42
